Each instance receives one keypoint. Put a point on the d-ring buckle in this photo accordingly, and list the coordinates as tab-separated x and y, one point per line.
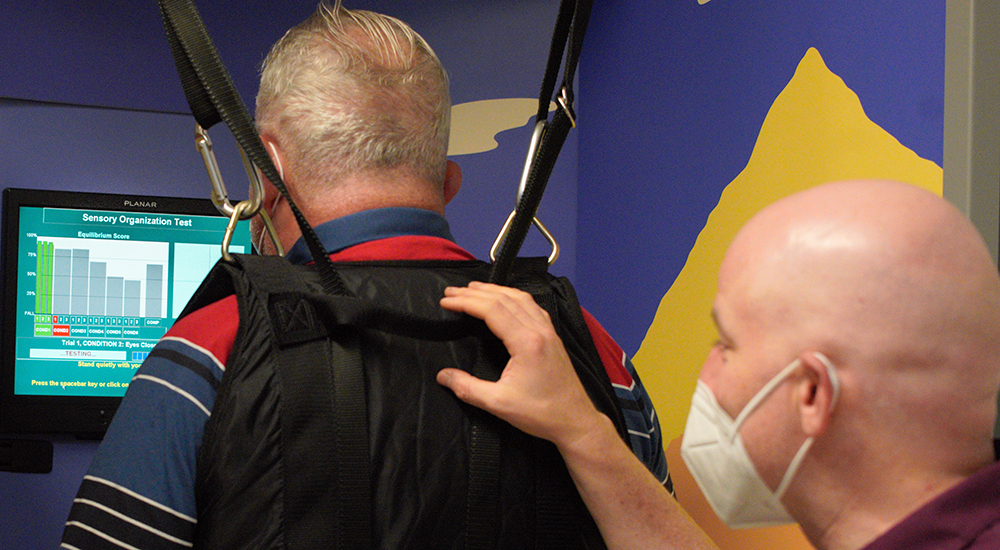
553	256
536	139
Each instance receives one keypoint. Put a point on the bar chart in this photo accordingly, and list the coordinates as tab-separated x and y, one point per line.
101	277
191	263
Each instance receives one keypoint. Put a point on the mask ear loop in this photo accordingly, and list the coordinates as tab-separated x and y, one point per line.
264	216
793	467
762	395
834	379
276	159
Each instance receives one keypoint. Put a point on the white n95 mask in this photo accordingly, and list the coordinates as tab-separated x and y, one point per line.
713	451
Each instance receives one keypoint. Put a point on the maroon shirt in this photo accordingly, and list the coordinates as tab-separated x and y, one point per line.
965	517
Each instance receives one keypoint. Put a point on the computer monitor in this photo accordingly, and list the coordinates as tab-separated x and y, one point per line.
91	282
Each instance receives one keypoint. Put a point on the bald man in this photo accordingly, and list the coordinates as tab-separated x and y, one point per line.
853	388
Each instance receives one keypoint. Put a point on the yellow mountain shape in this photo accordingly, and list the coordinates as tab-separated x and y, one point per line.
815	132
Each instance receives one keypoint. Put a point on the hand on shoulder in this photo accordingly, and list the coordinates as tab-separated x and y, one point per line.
539	391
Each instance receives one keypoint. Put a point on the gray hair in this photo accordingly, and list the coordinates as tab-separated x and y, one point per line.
355	91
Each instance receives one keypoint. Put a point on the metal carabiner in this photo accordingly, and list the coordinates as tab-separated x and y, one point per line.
220	197
567	106
536	139
230	228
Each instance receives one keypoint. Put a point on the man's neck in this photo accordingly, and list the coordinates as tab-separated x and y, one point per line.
342	202
850	516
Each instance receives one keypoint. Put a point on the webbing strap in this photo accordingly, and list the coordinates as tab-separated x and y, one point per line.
572	20
558	510
212	97
354	513
571	25
482	514
324	419
308	443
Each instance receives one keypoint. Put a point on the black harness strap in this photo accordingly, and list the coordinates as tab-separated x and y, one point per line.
555	515
574	15
556	508
351	426
324	420
556	511
344	452
482	518
213	97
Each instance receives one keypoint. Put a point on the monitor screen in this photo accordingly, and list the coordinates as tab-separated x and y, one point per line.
91	282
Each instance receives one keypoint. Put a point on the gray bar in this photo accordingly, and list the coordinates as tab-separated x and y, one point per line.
154	290
132	291
62	261
98	287
81	281
115	294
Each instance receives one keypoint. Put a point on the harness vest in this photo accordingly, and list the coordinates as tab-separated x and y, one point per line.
262	479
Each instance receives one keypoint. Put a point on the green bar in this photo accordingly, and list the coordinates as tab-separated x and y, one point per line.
40	277
39	266
49	262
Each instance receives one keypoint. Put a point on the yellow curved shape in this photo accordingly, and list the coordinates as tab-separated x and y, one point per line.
474	125
815	132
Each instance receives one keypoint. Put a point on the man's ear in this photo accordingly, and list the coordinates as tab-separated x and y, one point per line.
452	181
816	394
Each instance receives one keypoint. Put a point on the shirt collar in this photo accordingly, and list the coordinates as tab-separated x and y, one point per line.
369	225
950	520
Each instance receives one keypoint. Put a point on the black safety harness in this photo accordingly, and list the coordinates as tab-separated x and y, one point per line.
212	98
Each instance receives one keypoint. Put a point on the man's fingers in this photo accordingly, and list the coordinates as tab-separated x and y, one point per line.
479	297
468	388
496	305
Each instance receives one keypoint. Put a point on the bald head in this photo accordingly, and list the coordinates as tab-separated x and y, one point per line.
889	280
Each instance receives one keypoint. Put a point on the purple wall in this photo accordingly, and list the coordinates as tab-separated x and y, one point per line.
672	95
